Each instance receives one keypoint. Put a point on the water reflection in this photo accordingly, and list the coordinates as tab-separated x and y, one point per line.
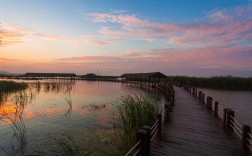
48	109
68	99
12	105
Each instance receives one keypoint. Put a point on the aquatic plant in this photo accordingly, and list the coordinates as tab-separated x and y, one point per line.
9	86
6	87
135	111
21	98
66	146
68	99
217	82
19	137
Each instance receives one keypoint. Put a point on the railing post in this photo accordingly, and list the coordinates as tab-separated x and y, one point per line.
209	102
200	95
148	144
245	137
230	119
172	98
225	117
216	108
142	135
203	98
159	133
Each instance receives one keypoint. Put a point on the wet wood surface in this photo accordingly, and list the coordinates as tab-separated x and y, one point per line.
193	130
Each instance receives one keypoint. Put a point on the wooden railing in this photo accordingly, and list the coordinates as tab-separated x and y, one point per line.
146	134
228	117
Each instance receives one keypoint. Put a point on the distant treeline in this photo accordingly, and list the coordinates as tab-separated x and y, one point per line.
218	82
8	86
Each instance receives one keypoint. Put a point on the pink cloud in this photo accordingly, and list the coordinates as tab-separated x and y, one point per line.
11	34
171	60
8	59
219	27
92	40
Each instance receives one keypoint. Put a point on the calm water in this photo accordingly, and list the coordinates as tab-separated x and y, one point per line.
47	113
238	101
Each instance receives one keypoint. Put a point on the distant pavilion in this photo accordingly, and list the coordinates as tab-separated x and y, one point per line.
155	76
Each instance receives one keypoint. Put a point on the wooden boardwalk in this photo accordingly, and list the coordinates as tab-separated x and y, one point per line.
193	130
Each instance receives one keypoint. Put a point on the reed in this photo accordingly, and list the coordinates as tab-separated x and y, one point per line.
21	98
134	112
9	86
6	87
69	101
19	137
66	146
217	82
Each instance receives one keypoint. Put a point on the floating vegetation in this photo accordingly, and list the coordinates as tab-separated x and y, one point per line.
94	107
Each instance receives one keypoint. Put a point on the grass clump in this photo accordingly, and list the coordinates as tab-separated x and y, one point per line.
134	112
67	146
8	86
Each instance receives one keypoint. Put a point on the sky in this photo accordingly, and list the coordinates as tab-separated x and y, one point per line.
112	37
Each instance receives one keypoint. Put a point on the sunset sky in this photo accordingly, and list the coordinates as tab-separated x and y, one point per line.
176	37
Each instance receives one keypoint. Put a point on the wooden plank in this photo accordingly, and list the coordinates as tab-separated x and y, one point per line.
193	130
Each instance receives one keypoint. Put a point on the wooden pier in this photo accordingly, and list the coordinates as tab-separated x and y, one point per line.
193	130
192	124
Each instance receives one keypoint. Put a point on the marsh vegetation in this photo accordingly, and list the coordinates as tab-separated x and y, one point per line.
134	112
217	82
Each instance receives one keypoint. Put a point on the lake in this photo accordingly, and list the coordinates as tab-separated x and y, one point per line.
84	110
239	101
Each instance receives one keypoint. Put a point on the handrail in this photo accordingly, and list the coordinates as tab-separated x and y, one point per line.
227	115
165	113
220	114
153	136
237	122
250	135
133	148
137	152
240	131
221	108
236	131
154	130
249	142
156	127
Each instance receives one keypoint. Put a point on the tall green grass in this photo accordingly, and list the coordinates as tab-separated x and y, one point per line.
135	111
